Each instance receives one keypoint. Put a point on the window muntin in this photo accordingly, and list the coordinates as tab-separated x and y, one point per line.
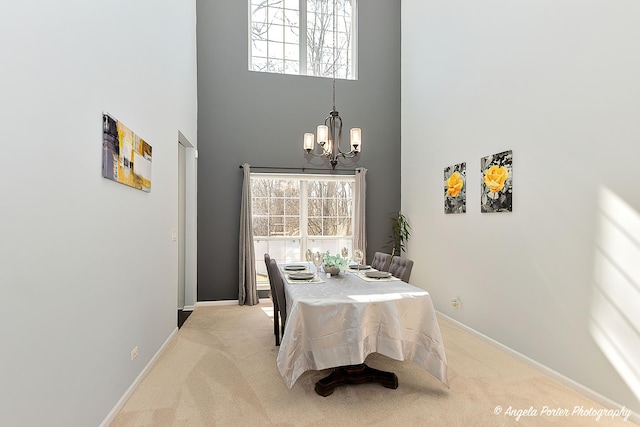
297	37
330	208
276	207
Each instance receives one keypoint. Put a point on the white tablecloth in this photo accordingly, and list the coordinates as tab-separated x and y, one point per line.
342	321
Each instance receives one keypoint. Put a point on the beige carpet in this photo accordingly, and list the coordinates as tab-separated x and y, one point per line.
220	370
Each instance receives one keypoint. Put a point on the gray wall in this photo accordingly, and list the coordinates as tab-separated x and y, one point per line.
260	118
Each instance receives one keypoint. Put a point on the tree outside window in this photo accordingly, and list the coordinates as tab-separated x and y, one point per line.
303	37
293	214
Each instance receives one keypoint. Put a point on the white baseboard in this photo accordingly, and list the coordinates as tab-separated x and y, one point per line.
221	302
574	385
225	302
127	394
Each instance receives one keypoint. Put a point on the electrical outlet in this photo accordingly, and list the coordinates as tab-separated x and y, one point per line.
455	302
134	352
174	234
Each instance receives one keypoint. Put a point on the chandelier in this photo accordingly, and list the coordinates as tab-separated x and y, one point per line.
329	135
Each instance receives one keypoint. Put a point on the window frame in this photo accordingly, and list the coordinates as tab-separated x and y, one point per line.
303	69
304	238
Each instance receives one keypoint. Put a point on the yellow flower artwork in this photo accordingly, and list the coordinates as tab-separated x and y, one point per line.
497	182
494	178
455	197
454	184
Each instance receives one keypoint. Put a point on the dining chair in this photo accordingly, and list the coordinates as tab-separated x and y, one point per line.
401	268
381	261
278	286
276	312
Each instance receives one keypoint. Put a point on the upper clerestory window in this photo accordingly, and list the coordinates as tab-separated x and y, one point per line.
304	37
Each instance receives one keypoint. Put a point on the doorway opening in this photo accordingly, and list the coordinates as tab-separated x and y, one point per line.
187	228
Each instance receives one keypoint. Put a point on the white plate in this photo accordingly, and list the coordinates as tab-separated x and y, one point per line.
294	267
378	274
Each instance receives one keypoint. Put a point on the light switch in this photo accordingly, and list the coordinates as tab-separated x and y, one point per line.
174	234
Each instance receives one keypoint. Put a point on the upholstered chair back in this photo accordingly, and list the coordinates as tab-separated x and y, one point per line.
381	261
401	268
278	286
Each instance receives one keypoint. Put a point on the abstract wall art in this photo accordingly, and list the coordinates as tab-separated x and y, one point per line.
126	158
497	182
455	189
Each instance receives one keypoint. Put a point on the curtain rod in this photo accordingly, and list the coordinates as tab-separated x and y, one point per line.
300	168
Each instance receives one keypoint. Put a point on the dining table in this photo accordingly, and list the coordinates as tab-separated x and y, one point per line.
336	321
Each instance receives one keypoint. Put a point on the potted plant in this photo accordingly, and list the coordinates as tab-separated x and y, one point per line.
399	233
333	264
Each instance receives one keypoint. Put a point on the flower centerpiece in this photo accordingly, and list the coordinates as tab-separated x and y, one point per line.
333	264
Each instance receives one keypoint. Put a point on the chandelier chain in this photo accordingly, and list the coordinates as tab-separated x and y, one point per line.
335	30
329	134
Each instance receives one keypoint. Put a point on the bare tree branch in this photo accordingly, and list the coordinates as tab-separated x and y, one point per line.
327	38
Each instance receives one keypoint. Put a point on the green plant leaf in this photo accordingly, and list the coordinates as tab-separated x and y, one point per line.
400	233
334	260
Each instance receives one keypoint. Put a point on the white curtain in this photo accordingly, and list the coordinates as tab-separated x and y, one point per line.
360	232
248	291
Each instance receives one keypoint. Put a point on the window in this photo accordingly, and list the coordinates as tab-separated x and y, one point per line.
293	213
302	37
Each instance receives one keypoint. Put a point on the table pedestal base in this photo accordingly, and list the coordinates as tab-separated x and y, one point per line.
355	374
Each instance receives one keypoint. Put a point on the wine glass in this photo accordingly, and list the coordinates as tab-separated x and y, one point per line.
308	256
358	256
317	261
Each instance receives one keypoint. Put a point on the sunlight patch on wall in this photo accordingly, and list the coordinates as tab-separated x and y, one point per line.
615	318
